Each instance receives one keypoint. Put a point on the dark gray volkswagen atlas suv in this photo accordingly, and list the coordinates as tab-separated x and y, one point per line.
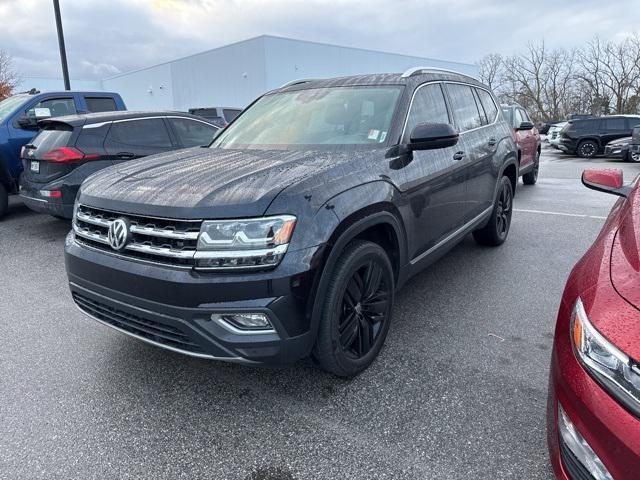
290	233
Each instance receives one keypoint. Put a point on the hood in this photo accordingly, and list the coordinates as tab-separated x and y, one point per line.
204	183
625	255
620	141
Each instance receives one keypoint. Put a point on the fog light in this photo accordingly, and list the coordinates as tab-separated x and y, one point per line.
242	322
580	448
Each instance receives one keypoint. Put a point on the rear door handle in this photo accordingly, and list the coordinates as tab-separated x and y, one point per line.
492	142
125	155
458	155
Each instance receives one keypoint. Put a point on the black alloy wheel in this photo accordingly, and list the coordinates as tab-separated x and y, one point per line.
587	149
504	210
496	230
356	310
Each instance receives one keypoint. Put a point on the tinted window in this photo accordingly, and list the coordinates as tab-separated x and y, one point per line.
490	107
428	107
192	133
590	125
51	137
57	107
230	114
633	121
100	104
465	110
613	124
141	133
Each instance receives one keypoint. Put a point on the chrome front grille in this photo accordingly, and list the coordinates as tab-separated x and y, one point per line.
158	240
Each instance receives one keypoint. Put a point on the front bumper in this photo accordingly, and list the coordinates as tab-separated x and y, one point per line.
609	429
615	152
171	308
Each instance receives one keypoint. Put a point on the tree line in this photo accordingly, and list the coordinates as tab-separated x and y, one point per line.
600	78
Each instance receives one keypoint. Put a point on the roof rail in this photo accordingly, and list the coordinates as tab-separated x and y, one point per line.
418	70
296	82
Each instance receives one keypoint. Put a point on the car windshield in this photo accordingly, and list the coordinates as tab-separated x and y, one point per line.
336	116
8	105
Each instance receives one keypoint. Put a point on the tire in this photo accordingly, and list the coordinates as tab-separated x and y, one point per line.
587	149
634	157
356	312
530	178
4	200
496	231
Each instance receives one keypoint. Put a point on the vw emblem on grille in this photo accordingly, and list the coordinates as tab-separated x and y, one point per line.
119	234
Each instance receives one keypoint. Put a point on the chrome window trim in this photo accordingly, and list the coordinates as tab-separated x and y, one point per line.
122	120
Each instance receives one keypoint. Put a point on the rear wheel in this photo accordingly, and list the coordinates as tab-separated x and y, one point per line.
587	149
4	200
531	177
495	232
357	310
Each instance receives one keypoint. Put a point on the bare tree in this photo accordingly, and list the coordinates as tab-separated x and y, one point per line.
9	77
491	68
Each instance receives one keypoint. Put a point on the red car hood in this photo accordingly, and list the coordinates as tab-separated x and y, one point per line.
625	255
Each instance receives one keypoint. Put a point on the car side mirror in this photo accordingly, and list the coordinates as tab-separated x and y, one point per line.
432	136
525	126
608	180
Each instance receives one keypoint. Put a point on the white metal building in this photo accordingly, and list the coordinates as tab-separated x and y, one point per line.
235	74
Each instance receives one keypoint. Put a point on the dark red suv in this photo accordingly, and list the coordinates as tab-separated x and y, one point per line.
594	389
528	139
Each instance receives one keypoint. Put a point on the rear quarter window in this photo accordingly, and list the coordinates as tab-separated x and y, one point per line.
51	137
100	104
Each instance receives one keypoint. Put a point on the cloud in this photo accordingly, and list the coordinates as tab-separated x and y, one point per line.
104	38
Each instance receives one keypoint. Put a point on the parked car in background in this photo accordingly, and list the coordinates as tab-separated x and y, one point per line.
553	135
543	127
618	149
69	149
287	239
220	116
593	415
528	140
588	137
19	117
634	147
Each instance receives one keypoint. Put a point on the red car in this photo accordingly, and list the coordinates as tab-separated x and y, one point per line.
593	412
528	140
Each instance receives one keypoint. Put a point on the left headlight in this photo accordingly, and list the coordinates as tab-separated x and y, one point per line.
247	244
615	371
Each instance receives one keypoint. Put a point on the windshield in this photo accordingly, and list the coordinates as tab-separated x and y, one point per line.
8	105
335	116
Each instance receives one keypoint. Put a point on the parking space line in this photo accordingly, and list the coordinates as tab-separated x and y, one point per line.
562	214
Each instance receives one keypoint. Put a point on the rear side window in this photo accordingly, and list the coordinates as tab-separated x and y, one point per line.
141	133
613	124
633	122
490	107
53	136
589	125
192	133
100	104
465	110
428	106
230	114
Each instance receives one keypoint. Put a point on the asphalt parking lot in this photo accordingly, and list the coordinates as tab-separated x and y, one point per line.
458	392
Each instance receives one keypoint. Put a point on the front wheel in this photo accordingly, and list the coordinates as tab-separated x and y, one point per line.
4	200
357	310
495	232
634	157
531	177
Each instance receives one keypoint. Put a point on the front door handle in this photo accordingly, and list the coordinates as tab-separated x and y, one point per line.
458	155
125	155
492	142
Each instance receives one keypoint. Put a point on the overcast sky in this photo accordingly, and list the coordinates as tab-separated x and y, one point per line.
105	37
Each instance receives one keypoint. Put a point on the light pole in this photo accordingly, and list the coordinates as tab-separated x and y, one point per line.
63	52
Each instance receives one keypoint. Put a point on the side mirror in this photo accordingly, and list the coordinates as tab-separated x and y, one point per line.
525	126
608	180
432	136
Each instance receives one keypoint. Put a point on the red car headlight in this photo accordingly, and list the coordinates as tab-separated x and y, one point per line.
612	368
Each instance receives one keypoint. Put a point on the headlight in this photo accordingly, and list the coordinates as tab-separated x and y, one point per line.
250	244
618	373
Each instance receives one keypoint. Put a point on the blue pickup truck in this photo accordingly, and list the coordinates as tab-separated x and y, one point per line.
19	116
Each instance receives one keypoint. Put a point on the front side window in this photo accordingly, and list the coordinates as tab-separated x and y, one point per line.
58	107
428	106
464	107
332	117
192	133
141	133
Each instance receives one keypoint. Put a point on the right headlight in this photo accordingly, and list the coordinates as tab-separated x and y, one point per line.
244	244
615	371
